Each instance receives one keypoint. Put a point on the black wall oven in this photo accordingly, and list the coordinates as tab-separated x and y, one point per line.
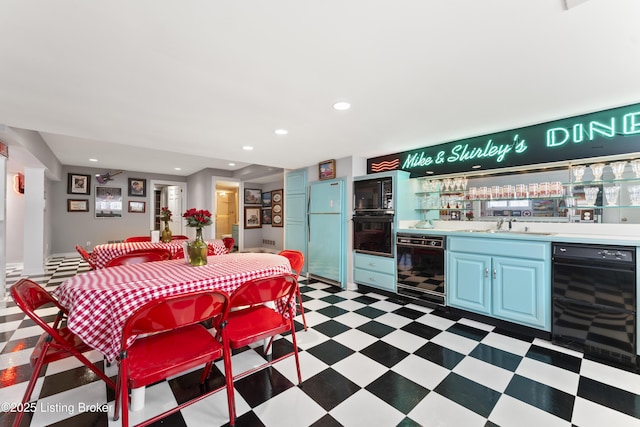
421	270
373	234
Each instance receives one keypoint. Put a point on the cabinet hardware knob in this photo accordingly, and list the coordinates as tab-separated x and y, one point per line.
486	272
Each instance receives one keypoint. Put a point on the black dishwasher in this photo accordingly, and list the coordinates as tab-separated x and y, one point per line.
594	300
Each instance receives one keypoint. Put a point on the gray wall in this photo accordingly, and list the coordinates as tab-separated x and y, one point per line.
83	228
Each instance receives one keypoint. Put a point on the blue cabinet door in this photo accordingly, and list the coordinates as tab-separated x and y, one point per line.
519	292
295	221
469	283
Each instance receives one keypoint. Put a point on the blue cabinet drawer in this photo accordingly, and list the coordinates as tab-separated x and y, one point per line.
375	279
375	263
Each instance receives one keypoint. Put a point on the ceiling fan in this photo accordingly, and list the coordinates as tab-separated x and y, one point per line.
103	178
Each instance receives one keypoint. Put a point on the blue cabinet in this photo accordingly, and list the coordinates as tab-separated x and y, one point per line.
485	276
376	271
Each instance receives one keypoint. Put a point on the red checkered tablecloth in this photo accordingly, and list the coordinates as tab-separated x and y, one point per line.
102	254
99	301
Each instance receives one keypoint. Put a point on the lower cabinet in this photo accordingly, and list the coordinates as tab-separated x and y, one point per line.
496	283
375	271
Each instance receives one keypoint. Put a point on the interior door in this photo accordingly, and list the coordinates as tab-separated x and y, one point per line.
174	202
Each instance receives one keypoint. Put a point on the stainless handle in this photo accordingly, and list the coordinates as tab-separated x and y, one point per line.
486	272
495	273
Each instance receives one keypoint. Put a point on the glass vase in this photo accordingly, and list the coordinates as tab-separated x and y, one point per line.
165	236
198	250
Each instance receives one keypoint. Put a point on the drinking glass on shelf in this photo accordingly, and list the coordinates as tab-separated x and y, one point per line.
496	192
611	194
618	169
457	183
509	191
521	191
473	193
635	166
555	189
597	169
543	189
463	182
483	193
446	183
533	189
578	172
634	194
590	195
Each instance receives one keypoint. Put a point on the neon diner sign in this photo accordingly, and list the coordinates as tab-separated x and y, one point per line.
608	132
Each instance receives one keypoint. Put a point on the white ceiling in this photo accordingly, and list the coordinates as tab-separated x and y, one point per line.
155	84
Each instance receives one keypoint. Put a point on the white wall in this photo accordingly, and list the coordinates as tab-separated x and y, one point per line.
15	222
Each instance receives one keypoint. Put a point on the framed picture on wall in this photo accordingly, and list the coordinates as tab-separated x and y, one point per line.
327	169
137	207
266	199
266	216
108	202
77	205
137	187
78	184
252	196
277	210
252	217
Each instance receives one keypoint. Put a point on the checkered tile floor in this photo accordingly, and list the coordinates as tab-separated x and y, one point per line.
367	360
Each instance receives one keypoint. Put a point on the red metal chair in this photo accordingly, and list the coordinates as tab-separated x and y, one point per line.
138	258
296	259
138	239
179	237
169	339
55	343
85	255
228	243
163	252
254	321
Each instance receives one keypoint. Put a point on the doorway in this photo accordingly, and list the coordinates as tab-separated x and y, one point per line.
227	202
171	195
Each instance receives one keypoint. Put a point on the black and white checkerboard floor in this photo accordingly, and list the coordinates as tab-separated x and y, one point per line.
367	360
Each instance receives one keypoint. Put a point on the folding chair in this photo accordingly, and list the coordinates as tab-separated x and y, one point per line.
136	258
254	321
163	252
85	255
168	340
296	259
228	243
55	343
138	239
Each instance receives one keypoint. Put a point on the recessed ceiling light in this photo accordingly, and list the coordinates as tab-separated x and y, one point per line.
232	164
476	166
178	169
341	106
281	131
247	148
93	160
429	172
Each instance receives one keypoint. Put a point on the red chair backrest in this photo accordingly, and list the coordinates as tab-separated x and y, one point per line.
179	237
134	259
228	243
175	311
296	259
138	239
163	252
85	255
259	291
30	296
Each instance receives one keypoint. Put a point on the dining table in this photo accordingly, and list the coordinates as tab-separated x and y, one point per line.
102	254
100	301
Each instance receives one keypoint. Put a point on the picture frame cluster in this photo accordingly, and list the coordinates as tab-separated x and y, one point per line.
108	201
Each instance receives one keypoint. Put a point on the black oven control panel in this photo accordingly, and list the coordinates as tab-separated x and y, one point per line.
420	241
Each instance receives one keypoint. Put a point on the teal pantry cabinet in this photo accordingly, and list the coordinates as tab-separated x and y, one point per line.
502	278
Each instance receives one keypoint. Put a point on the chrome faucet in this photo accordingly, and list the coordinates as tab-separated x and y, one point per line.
500	222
